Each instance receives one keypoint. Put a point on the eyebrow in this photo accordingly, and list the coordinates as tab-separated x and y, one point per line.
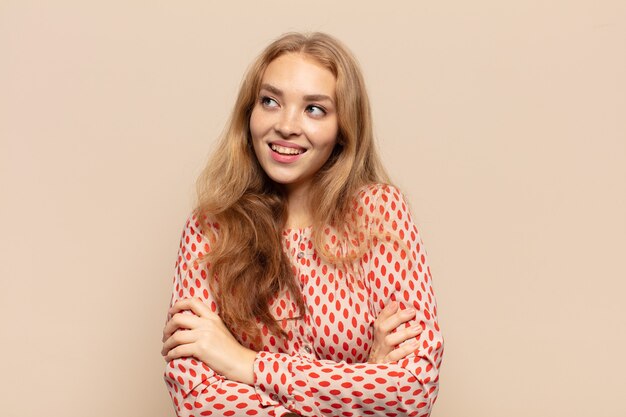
308	97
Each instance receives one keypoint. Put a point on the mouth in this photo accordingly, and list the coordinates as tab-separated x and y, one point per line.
283	150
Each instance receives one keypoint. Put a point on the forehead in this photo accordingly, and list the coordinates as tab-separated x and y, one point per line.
299	74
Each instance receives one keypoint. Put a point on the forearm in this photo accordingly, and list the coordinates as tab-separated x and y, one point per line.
242	368
196	390
324	387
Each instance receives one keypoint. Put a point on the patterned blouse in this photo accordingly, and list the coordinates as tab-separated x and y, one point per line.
321	369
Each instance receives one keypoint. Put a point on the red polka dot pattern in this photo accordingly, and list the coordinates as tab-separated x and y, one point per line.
322	369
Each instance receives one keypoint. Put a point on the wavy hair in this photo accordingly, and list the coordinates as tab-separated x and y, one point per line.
247	263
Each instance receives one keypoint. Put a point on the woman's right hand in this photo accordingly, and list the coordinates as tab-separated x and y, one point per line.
385	348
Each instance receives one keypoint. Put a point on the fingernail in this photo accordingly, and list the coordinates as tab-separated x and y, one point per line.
409	311
417	328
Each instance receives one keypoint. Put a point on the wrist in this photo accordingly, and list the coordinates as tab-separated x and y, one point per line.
243	367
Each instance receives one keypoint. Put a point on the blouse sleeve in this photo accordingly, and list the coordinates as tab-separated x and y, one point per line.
398	270
195	389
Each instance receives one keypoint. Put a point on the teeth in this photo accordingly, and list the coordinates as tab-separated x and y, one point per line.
286	151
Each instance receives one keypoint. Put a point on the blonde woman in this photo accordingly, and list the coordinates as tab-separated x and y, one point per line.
301	285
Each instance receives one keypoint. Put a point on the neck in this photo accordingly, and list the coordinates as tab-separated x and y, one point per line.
298	208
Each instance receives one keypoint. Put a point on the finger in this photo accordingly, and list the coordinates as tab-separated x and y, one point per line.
397	337
181	351
386	312
180	321
402	316
193	304
402	351
181	337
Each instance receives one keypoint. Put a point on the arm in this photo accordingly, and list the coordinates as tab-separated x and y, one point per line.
398	271
194	387
390	333
308	386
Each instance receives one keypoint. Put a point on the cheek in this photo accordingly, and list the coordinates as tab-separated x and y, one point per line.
254	123
324	134
256	133
260	123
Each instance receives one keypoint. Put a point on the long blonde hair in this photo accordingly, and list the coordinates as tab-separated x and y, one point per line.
247	263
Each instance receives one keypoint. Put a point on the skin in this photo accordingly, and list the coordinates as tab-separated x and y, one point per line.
389	332
296	105
204	336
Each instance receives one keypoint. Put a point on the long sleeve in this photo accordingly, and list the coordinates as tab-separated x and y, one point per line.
195	389
396	270
320	368
400	272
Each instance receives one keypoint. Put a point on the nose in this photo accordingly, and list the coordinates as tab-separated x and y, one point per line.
288	123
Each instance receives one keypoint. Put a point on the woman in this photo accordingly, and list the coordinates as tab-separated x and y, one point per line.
301	285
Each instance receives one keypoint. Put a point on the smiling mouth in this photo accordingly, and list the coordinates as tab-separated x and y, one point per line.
283	150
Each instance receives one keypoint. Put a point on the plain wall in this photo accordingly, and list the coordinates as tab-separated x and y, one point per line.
503	122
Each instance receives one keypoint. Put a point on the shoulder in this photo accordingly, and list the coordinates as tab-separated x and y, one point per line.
199	231
386	212
375	192
381	200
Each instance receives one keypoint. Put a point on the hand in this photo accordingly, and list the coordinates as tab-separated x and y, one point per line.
205	337
384	348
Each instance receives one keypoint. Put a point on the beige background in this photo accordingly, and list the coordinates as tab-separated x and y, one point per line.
503	122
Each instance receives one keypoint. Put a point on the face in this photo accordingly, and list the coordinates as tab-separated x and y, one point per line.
294	121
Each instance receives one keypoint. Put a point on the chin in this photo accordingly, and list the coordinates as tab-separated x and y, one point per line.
282	180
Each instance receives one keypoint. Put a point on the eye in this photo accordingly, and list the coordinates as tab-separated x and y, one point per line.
268	102
316	111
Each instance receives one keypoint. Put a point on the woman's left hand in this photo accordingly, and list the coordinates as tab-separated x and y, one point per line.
205	337
390	334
